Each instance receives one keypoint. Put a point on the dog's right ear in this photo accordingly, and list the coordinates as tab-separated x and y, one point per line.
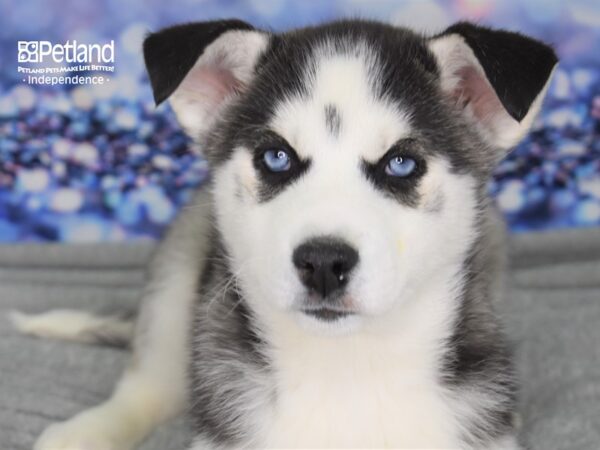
201	66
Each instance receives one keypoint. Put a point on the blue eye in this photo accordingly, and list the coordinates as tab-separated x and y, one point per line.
400	166
277	160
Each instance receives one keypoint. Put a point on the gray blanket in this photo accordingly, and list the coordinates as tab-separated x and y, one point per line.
552	314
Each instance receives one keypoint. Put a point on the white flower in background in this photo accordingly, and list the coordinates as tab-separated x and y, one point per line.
588	211
62	148
33	180
162	162
572	148
561	84
7	107
591	187
138	150
24	96
66	200
511	198
82	97
59	169
126	120
85	154
59	103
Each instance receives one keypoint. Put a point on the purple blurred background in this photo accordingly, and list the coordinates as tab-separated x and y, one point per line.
101	163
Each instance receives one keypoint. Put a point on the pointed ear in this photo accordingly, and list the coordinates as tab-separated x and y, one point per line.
201	66
497	78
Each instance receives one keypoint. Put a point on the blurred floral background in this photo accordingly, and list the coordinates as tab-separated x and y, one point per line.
83	163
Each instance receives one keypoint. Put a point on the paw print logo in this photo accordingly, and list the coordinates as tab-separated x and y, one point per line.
28	51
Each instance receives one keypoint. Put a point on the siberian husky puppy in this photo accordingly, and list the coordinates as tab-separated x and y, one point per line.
333	284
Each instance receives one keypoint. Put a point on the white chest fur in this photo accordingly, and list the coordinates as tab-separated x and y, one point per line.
364	390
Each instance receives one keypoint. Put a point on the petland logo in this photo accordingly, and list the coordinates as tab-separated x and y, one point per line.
68	58
69	52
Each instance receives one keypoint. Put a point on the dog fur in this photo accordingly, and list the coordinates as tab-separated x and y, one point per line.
418	359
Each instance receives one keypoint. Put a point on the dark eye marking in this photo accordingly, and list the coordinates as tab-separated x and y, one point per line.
276	163
398	172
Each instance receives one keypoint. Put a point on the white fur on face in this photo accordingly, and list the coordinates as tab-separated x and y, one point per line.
400	247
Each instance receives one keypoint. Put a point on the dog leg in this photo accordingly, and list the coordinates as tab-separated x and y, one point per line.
154	386
138	404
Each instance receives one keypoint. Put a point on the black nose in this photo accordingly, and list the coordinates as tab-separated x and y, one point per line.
324	264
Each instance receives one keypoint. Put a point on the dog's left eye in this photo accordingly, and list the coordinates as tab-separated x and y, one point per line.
277	160
400	166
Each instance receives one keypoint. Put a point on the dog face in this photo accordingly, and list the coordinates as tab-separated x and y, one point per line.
350	160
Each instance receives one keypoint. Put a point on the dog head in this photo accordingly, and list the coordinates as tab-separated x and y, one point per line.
349	160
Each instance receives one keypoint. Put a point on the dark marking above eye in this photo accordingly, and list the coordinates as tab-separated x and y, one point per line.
333	120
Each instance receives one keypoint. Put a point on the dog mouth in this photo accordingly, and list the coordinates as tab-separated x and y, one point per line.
327	314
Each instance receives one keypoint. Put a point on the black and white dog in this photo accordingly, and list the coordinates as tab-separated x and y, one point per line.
333	284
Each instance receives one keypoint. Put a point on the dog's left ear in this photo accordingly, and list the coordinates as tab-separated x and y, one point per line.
497	78
200	67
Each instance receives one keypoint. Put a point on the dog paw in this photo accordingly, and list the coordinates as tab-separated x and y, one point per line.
83	432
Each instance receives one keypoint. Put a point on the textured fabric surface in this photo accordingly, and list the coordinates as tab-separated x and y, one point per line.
552	313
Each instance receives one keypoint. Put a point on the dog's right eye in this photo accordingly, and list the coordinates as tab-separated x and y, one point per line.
277	160
277	165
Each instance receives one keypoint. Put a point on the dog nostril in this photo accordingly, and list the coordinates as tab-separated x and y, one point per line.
324	264
339	270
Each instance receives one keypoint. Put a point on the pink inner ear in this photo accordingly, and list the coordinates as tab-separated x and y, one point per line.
474	91
209	86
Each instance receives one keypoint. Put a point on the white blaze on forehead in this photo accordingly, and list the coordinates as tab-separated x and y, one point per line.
347	81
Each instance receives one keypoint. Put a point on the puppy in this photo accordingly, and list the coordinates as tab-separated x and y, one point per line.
333	284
